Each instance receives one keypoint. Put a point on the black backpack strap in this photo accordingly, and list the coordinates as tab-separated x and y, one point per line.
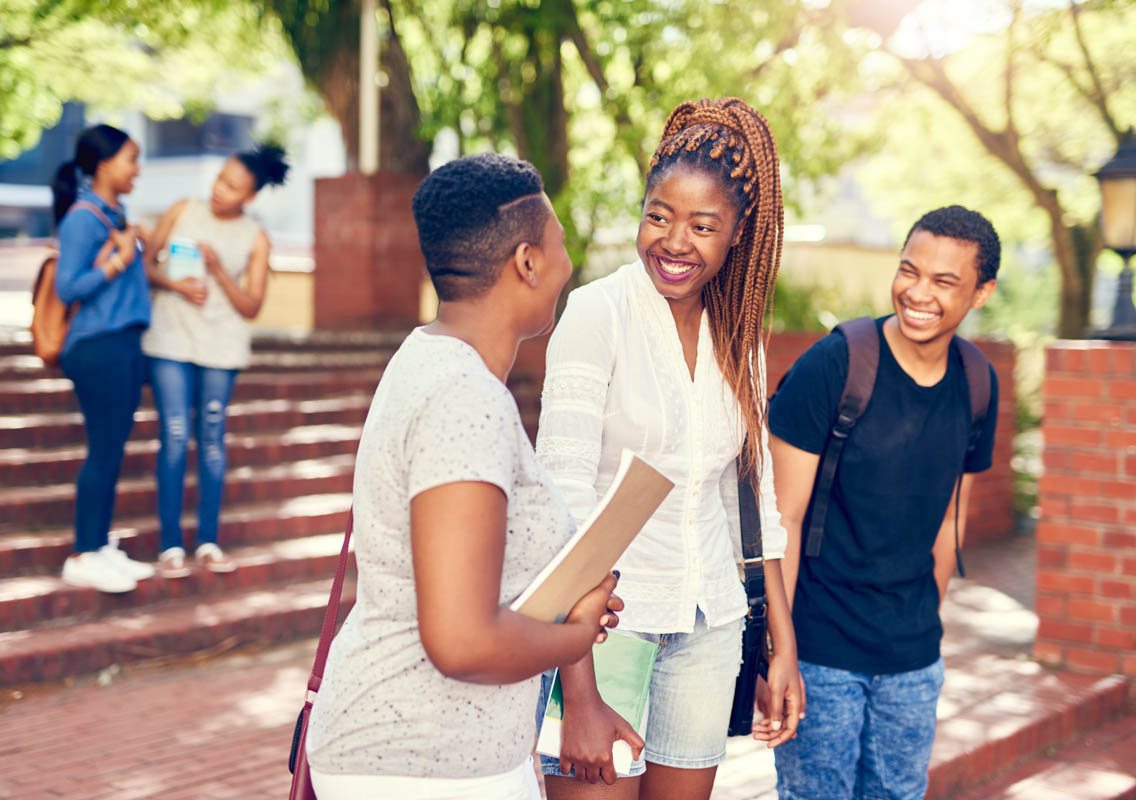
863	340
977	371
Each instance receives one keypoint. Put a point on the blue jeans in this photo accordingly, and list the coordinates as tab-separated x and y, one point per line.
179	388
108	371
864	737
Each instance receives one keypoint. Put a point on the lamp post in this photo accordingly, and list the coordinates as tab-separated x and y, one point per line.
1118	232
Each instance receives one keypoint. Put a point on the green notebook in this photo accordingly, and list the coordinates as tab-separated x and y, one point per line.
623	677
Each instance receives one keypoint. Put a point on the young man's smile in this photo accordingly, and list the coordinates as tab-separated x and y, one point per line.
936	284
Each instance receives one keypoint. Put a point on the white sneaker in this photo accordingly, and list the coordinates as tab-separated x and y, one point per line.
213	558
171	564
95	571
137	570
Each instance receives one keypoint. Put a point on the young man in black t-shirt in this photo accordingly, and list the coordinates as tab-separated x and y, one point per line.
866	608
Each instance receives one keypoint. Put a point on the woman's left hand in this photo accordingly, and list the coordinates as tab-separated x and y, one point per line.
125	243
210	257
780	700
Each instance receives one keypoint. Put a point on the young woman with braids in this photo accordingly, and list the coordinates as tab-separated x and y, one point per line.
665	357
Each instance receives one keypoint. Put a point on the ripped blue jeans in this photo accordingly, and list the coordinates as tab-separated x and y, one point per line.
187	393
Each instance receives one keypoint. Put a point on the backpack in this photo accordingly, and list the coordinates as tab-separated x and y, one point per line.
863	341
51	316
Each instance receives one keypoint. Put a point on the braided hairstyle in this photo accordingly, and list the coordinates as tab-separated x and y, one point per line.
728	139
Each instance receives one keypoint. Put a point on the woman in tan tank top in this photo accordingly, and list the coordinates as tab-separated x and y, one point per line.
208	265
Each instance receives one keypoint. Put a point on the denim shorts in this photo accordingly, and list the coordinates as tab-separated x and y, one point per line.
688	706
865	737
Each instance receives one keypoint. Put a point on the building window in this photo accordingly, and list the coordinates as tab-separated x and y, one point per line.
217	134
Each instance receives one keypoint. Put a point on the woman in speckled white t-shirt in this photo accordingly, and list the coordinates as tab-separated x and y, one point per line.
432	683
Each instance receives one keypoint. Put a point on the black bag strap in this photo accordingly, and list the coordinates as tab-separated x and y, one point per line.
977	371
863	340
753	637
752	558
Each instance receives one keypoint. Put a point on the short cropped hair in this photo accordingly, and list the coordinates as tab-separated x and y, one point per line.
969	226
471	215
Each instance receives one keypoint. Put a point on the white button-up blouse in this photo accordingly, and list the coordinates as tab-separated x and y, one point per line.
616	378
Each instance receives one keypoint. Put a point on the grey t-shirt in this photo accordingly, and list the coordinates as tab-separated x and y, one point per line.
439	416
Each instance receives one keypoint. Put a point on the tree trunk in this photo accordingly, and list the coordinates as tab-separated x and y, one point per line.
328	53
1086	240
1075	248
339	87
401	147
534	91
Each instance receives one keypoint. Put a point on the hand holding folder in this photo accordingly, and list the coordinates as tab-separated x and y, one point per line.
635	492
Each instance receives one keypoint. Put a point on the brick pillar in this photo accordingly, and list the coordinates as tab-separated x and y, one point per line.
368	267
1086	554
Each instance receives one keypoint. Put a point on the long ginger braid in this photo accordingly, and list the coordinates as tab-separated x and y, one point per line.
729	139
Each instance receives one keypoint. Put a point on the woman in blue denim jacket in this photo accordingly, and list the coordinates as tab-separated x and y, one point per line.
100	274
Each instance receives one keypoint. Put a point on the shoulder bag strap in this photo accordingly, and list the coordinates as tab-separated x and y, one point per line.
750	519
98	212
331	615
863	342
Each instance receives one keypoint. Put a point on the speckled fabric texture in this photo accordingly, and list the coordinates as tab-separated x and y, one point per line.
439	416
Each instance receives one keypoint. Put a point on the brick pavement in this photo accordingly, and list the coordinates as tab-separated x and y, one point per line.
222	728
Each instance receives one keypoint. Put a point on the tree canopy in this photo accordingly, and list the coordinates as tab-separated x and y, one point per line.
1015	123
163	58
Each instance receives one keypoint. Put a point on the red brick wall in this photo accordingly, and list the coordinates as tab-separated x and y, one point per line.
992	504
368	269
1086	554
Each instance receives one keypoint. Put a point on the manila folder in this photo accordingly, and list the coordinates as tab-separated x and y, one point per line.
636	491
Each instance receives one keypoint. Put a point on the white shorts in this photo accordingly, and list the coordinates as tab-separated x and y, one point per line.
516	784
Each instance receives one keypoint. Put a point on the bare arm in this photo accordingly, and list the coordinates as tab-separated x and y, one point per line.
457	534
192	289
781	696
794	471
944	548
793	474
157	242
247	301
590	726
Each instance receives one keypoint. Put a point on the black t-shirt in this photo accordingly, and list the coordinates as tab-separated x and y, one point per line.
869	602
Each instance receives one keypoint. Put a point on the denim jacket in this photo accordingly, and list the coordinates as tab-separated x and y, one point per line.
106	304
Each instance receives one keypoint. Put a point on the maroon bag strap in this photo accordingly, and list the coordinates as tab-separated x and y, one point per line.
332	613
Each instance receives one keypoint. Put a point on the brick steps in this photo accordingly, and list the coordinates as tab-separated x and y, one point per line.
56	394
27	602
177	627
17	341
40	466
26	366
56	429
1101	765
22	506
293	429
1004	713
43	551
